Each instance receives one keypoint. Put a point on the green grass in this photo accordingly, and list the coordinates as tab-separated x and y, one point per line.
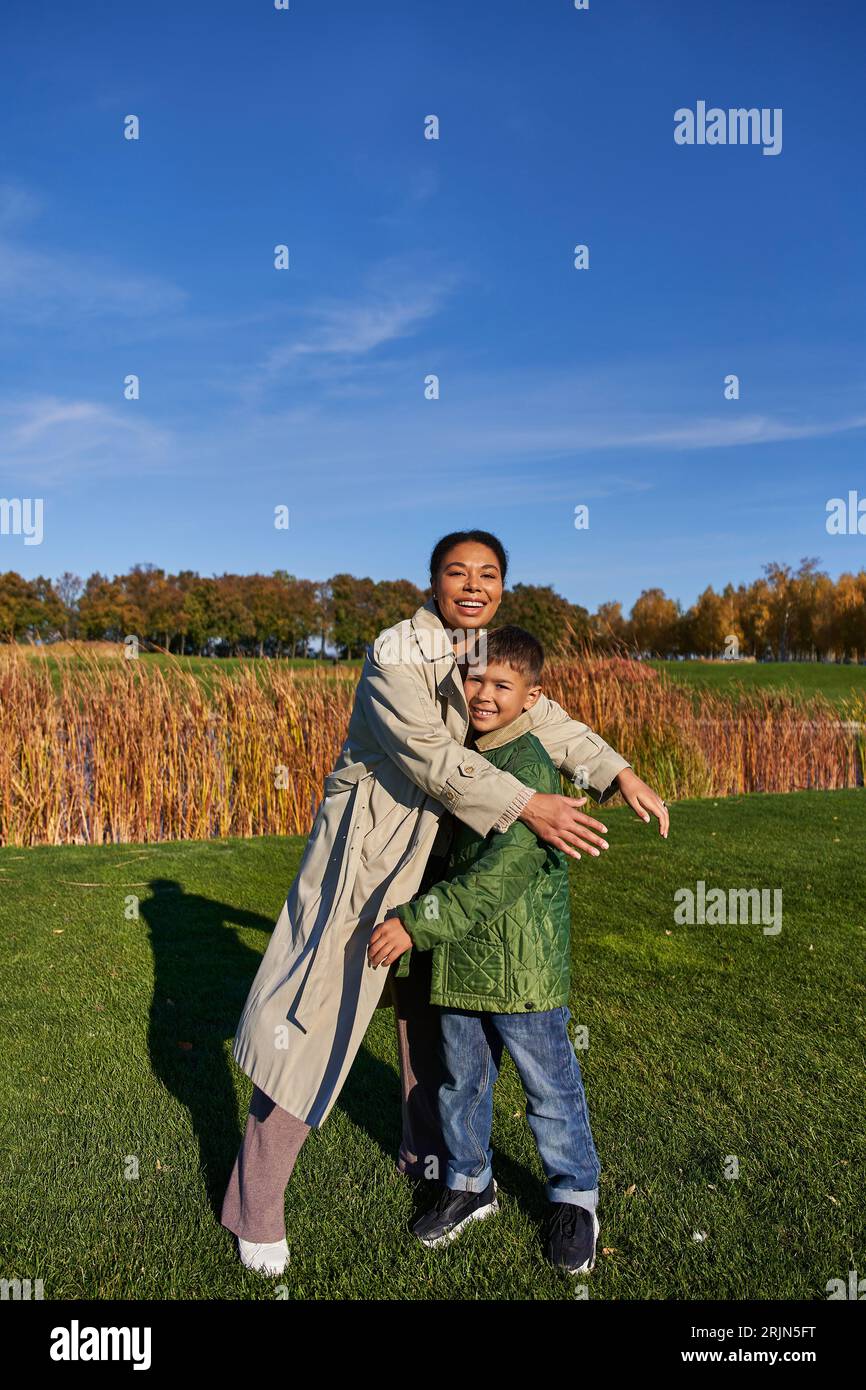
206	669
806	678
705	1041
202	665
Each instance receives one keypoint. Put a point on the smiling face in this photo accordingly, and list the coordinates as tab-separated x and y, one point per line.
468	587
497	695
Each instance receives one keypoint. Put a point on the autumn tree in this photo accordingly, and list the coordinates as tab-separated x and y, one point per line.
655	623
608	628
69	588
559	625
104	610
28	607
396	600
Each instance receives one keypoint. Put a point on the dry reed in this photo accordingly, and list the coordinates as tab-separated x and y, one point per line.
119	752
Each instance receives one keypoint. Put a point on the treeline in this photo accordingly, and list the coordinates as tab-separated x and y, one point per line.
787	614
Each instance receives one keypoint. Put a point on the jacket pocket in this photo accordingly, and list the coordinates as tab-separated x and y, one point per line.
478	965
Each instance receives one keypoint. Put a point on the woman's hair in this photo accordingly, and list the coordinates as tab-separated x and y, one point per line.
515	647
441	548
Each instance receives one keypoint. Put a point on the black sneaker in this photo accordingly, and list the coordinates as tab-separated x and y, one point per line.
571	1235
452	1211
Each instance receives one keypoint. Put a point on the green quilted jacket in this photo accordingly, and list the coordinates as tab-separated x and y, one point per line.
498	924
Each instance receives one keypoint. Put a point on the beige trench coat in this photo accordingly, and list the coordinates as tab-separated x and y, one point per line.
402	768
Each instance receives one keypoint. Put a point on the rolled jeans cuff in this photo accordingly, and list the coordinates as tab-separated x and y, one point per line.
588	1199
459	1182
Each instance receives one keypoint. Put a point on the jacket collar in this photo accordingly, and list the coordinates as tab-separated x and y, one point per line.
497	737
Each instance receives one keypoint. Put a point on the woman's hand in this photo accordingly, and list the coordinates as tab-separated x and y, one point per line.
557	820
643	800
388	942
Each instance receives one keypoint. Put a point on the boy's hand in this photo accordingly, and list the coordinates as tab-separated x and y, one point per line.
388	942
643	800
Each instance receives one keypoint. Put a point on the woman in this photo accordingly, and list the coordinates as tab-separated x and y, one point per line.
402	767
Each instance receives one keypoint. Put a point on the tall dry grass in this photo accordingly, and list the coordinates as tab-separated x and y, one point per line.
119	752
711	744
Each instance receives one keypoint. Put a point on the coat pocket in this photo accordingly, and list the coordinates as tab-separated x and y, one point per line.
383	829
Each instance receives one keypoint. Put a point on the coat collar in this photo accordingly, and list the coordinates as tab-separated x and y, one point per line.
432	636
434	642
497	737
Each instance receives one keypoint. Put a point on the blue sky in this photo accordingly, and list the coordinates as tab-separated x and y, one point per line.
409	257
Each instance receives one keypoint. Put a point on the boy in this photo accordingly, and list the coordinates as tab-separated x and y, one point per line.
498	927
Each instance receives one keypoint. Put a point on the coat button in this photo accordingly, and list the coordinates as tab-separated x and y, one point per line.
530	1006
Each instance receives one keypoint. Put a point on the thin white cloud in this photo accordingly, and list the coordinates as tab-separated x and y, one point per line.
39	287
46	440
713	433
354	329
402	451
59	286
32	422
751	429
17	206
392	303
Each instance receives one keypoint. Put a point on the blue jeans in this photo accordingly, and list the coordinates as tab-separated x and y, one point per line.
471	1050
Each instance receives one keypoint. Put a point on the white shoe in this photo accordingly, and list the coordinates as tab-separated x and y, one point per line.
266	1259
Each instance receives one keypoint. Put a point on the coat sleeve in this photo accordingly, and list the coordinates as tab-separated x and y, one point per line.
500	876
581	755
407	725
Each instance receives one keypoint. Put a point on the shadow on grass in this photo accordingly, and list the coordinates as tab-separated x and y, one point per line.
202	976
371	1099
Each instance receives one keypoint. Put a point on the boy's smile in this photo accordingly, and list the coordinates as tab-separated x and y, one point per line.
496	695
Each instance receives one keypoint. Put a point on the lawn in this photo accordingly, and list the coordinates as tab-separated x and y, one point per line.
705	1042
105	655
836	682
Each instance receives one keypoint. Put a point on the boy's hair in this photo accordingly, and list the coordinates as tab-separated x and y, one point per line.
517	648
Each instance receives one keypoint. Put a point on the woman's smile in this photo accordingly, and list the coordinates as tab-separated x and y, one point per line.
471	605
468	586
